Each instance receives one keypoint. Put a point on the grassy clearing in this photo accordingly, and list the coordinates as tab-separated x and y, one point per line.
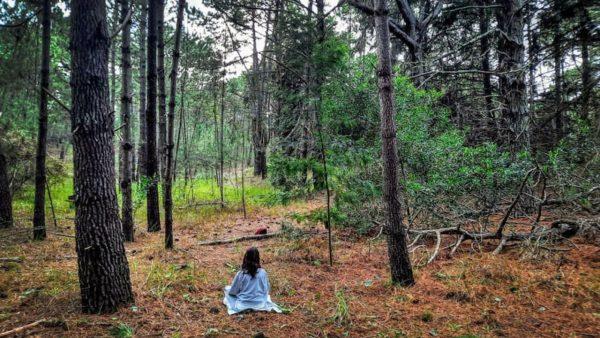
193	199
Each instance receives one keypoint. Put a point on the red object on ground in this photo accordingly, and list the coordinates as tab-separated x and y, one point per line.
261	231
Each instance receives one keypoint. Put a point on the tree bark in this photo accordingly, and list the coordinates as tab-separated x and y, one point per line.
181	121
221	143
168	198
558	78
586	70
6	215
400	265
103	269
484	24
259	137
143	138
162	92
39	212
532	51
126	144
113	59
511	67
152	203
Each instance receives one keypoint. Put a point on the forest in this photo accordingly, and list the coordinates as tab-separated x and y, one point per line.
405	168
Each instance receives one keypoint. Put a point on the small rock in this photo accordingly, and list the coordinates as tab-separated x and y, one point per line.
259	335
261	231
214	310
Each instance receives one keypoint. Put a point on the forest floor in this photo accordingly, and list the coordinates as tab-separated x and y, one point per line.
179	293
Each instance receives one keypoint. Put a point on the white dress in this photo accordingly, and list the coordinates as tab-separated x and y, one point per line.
249	293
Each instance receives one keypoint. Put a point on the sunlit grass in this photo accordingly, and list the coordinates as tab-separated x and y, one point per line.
193	198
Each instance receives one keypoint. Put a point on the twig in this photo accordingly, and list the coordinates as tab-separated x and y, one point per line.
57	100
127	18
416	247
11	260
437	247
500	246
378	235
22	328
51	204
24	21
458	242
416	240
512	205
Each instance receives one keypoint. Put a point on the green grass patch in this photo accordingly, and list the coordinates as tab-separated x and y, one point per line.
192	198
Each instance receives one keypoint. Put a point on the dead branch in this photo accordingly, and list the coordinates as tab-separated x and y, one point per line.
242	238
458	242
559	230
125	22
199	204
559	201
11	260
20	329
512	205
437	247
500	246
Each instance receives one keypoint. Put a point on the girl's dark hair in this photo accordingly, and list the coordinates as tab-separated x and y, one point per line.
251	262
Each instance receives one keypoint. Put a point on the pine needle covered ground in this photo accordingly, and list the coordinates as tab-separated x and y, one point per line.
178	293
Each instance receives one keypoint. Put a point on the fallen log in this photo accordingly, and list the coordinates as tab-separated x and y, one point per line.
241	239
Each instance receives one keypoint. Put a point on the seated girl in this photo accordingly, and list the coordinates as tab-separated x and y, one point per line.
250	287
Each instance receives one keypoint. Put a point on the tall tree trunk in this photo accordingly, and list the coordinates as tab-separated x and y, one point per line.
143	139
259	136
162	92
586	72
221	144
113	58
558	79
532	51
216	123
152	203
103	269
400	265
39	212
6	215
484	48
181	119
126	144
511	66
168	198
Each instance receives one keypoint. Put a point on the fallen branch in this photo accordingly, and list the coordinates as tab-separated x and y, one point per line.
458	242
512	205
20	329
500	246
571	199
437	247
11	260
241	239
199	204
559	230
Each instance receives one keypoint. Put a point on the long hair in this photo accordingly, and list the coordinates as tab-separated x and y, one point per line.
251	262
